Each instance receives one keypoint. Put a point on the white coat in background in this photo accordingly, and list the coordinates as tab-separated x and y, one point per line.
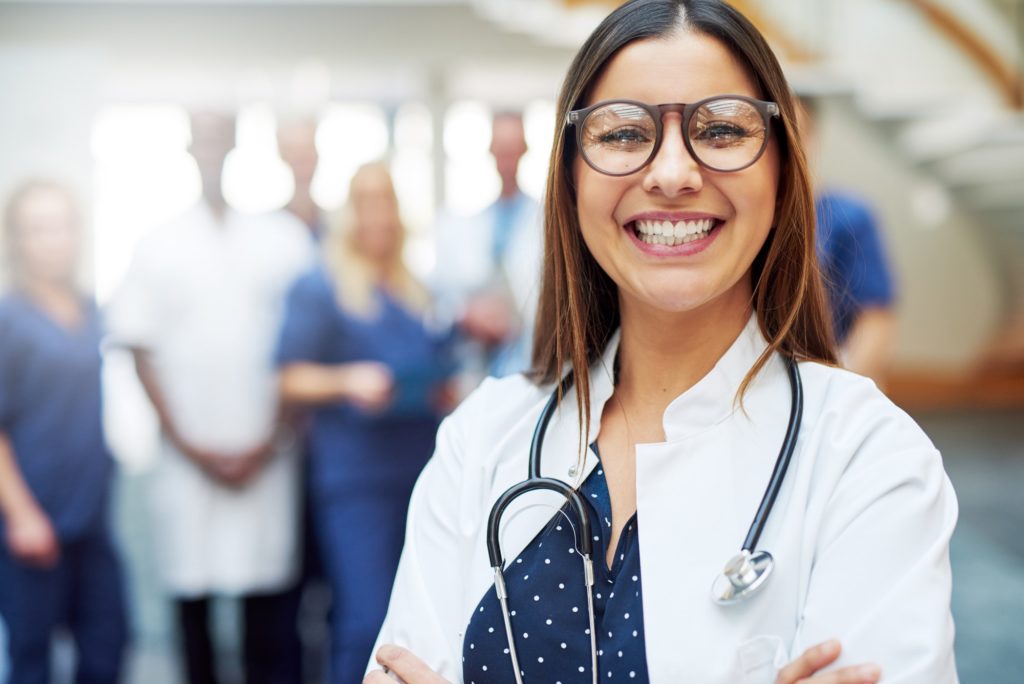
860	531
206	300
465	267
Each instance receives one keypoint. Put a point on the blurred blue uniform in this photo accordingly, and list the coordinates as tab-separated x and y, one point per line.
50	409
362	466
856	272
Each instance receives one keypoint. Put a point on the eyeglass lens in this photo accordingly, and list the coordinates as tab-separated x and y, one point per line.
725	135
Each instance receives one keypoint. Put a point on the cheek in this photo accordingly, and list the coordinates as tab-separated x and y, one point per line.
755	196
597	197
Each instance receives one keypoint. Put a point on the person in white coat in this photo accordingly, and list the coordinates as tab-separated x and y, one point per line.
200	309
680	288
488	267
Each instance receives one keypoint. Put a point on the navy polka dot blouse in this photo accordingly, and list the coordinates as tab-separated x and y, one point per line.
548	606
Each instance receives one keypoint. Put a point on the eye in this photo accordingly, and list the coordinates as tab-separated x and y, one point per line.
722	133
624	137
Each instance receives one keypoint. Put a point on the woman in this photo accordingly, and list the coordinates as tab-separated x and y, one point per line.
58	566
354	347
679	278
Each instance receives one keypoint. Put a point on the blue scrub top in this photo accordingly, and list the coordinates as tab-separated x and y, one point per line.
350	449
50	409
547	601
853	259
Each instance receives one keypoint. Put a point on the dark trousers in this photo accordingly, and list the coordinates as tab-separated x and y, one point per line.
361	535
270	643
83	592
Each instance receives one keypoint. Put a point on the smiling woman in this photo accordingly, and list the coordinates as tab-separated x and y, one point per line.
681	292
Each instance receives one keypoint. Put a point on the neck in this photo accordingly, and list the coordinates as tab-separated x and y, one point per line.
215	201
662	354
303	206
509	189
50	293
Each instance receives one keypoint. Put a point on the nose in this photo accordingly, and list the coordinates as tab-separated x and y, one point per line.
673	171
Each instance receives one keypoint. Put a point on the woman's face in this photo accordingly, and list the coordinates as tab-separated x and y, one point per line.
377	223
713	270
47	236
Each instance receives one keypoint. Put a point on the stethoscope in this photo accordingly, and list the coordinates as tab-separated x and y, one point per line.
742	576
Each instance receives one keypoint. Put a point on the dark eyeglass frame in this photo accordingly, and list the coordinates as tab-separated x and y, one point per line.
767	110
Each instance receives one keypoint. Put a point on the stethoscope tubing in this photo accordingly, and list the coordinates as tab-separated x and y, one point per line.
771	492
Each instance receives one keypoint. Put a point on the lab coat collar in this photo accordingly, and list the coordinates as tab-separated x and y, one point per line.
706	404
562	452
713	399
700	408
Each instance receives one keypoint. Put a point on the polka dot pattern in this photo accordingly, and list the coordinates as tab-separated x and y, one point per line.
549	592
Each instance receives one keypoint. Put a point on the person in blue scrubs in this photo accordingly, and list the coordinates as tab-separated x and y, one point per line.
857	275
853	260
355	348
58	564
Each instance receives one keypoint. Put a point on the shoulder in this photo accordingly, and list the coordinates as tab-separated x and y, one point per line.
837	393
277	220
845	210
8	306
172	236
855	427
313	284
8	316
499	410
278	227
13	313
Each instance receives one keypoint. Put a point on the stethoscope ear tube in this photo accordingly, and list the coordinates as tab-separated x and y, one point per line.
782	462
537	443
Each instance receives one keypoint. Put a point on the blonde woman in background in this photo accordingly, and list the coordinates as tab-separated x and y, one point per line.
354	348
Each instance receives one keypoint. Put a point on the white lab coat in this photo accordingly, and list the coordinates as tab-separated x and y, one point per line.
860	531
206	300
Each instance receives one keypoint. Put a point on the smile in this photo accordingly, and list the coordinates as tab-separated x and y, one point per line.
672	233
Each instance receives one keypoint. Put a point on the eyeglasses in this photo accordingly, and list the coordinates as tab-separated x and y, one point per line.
721	133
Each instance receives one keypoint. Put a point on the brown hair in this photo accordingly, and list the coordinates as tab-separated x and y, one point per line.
579	308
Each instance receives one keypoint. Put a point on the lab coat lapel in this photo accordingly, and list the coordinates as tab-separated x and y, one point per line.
696	496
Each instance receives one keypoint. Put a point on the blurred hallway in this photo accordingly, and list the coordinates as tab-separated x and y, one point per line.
984	456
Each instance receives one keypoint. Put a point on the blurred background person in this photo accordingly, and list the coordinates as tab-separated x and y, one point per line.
296	143
355	348
488	267
58	565
200	309
857	275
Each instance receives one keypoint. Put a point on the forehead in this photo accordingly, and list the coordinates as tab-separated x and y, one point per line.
44	202
684	67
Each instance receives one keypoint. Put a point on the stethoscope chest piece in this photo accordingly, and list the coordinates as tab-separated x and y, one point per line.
744	574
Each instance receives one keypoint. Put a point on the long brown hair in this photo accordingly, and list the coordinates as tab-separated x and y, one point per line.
579	307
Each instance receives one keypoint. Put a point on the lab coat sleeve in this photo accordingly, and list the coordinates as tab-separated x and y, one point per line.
134	316
880	579
424	614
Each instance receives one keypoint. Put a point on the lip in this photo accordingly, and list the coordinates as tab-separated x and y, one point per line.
673	216
683	250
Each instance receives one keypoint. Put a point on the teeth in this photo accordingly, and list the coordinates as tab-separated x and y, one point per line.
672	234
